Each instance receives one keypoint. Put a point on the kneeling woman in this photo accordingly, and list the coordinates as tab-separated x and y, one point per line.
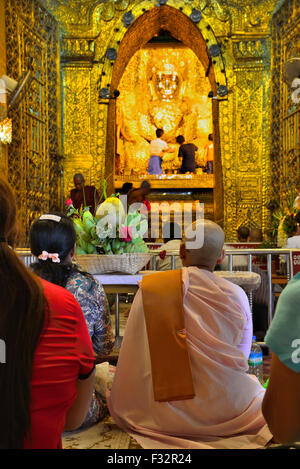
47	379
52	241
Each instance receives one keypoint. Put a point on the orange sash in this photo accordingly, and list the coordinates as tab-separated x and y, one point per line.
170	363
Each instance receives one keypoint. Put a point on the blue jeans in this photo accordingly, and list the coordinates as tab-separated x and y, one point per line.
154	166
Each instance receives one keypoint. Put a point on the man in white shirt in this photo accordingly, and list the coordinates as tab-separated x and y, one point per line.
157	149
294	241
172	240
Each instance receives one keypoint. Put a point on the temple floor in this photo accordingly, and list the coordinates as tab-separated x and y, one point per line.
103	435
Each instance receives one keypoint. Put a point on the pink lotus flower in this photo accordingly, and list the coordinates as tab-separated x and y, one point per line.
126	234
69	202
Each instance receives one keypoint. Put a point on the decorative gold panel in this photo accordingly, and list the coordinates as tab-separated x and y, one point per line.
285	153
34	164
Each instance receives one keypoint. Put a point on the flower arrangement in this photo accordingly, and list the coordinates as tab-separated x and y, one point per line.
111	231
284	223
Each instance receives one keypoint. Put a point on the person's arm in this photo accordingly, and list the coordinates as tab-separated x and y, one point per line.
77	413
169	150
206	152
281	404
246	342
103	341
84	354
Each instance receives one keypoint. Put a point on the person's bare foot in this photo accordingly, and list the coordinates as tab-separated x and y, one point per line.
126	312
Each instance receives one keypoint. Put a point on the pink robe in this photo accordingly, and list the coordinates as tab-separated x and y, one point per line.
226	411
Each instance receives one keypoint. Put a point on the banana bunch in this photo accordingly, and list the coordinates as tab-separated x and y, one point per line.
85	227
111	229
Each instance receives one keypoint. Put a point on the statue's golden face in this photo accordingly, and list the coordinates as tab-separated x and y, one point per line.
167	84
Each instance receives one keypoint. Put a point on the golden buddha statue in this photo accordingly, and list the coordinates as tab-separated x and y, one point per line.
161	89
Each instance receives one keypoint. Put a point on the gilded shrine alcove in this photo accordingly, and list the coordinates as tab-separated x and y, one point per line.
141	58
97	41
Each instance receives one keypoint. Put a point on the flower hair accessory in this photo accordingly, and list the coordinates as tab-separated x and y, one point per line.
50	217
46	255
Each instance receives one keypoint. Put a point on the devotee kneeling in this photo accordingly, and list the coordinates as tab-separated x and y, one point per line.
281	405
181	379
47	376
52	241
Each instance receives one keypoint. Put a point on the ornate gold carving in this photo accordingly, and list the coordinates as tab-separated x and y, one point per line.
210	7
77	122
77	49
34	163
256	48
285	150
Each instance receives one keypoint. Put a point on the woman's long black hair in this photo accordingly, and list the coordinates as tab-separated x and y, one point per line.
55	237
23	310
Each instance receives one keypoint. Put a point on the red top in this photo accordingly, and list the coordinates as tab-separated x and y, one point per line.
64	354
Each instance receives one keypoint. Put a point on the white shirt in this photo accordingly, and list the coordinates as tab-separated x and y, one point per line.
293	242
166	264
156	147
237	261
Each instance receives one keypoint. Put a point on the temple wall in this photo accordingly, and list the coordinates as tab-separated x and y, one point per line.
34	159
89	29
3	148
285	149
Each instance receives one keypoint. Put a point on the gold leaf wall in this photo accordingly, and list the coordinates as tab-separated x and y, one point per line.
34	155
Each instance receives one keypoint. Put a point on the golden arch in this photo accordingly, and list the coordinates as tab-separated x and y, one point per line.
148	21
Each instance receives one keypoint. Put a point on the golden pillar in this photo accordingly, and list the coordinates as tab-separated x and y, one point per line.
3	148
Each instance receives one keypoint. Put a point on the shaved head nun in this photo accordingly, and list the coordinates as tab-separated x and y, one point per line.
203	245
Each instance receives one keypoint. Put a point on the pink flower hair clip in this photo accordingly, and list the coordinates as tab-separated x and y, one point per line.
45	255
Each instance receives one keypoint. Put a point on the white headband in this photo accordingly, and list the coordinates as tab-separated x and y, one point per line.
50	217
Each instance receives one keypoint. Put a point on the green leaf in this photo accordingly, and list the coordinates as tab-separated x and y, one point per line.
105	189
72	211
79	250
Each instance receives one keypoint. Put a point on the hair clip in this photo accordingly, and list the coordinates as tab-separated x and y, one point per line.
50	217
45	256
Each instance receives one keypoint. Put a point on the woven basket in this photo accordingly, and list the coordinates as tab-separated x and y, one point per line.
129	263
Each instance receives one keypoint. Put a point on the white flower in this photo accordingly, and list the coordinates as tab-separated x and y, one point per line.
105	230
